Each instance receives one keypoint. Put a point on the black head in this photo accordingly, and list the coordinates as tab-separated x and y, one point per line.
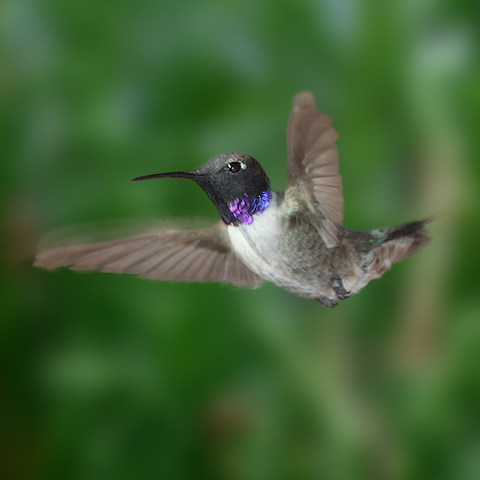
226	179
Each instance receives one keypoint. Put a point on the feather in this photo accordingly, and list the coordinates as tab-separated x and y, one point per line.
312	166
195	255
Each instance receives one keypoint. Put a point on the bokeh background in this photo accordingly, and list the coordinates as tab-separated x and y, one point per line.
105	376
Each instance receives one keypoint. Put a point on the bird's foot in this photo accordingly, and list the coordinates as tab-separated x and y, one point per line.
326	302
340	290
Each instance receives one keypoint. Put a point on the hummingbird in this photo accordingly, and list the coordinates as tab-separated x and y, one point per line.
295	239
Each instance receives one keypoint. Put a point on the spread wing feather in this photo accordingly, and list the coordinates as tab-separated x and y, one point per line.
312	165
196	255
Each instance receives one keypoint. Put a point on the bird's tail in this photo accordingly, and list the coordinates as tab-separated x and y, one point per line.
394	244
408	238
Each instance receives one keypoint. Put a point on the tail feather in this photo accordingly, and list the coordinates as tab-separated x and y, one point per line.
392	245
412	236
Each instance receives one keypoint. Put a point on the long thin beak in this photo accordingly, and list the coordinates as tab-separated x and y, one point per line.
188	175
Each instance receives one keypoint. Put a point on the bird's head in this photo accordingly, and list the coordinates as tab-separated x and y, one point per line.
234	182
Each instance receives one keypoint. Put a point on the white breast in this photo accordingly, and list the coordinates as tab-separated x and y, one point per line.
256	244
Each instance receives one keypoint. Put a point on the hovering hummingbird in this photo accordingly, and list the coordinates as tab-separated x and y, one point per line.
294	239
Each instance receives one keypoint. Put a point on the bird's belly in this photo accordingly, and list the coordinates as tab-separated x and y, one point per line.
262	247
296	260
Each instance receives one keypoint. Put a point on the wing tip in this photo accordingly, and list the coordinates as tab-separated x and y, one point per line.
304	98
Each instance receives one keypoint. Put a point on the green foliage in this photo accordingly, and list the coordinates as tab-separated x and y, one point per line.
106	376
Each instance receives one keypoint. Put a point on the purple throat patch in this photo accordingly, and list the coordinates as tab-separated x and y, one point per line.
243	209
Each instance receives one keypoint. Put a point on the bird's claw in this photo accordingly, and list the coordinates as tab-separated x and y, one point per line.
340	290
326	302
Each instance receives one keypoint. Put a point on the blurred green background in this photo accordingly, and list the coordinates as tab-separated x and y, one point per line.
105	376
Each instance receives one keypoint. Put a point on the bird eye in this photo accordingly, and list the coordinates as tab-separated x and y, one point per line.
235	167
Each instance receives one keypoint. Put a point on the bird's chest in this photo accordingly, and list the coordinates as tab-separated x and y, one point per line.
258	244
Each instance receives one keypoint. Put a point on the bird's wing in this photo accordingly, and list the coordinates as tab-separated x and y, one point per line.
195	255
312	165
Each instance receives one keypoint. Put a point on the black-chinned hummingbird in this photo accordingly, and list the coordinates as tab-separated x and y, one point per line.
294	239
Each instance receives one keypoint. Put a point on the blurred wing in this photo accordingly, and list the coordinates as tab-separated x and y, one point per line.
313	165
196	255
